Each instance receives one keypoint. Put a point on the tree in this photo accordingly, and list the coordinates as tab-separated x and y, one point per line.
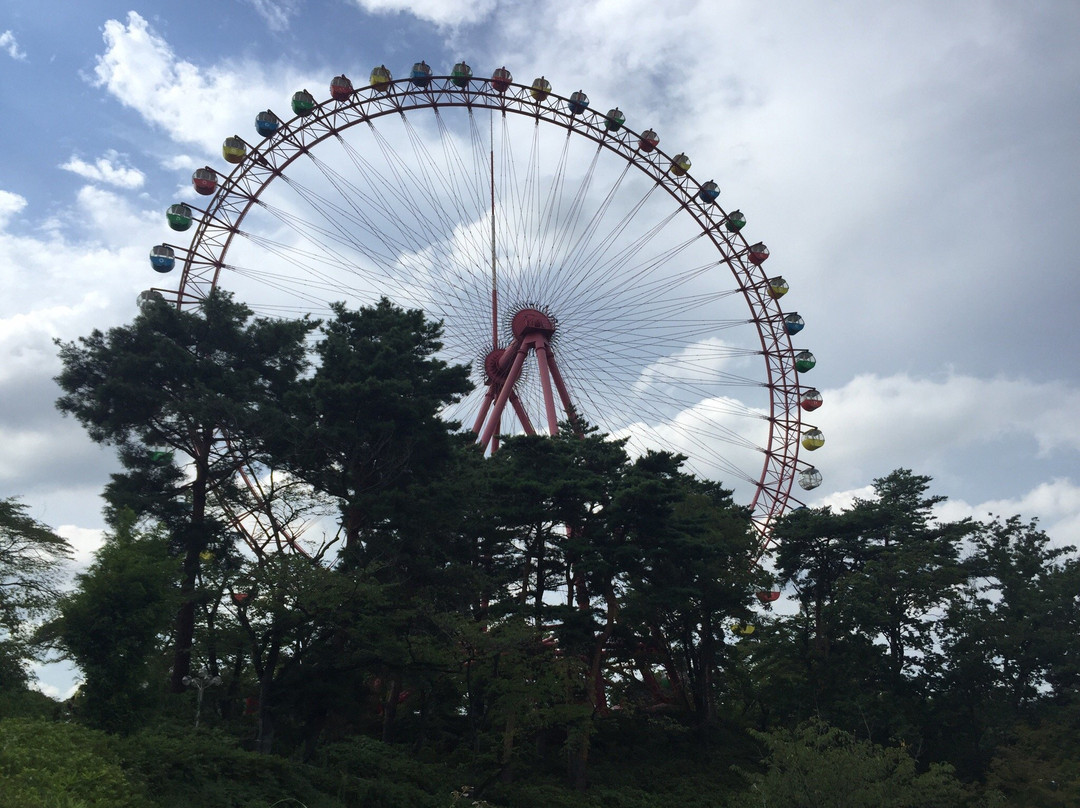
365	427
31	563
1010	640
909	567
365	431
197	383
112	623
872	581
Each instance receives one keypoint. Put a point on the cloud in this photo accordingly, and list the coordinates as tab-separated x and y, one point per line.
1055	504
81	271
84	542
439	12
8	43
192	105
10	204
108	169
276	13
917	421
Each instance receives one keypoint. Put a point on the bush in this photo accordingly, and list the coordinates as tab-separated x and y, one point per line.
49	765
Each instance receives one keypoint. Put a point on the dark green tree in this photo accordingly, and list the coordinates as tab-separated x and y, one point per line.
365	427
872	581
365	431
1011	641
190	385
691	578
909	567
32	557
111	625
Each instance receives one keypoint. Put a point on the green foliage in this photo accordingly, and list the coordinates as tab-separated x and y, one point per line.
184	768
1011	641
817	766
1039	767
366	424
31	560
182	381
872	582
50	765
549	626
111	624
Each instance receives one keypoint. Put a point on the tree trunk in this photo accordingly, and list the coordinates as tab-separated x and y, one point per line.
194	543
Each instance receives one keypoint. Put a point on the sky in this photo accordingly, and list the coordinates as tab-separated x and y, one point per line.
913	168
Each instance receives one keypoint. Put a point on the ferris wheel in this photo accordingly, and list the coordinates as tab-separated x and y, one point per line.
582	271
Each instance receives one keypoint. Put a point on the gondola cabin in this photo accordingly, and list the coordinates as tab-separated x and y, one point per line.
541	89
810	400
148	298
461	75
380	78
160	455
680	164
648	141
793	323
809	478
813	439
267	123
778	287
501	80
735	221
162	258
234	150
179	217
578	103
708	192
341	88
421	74
804	361
614	120
205	181
303	103
757	253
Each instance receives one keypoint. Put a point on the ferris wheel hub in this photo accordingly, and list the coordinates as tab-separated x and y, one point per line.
532	321
494	372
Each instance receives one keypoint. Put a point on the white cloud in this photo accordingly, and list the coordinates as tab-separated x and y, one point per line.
1056	504
276	13
81	272
439	12
919	422
192	104
108	169
10	204
84	541
180	162
8	43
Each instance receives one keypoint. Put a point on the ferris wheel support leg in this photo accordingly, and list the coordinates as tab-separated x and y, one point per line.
545	384
523	416
504	394
489	397
564	396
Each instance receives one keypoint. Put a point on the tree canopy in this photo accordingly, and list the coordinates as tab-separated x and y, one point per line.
560	623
